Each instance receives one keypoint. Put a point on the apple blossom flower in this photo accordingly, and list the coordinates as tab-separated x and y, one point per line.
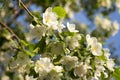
43	65
50	18
95	46
71	27
110	64
96	49
81	69
90	40
69	61
36	32
115	28
73	41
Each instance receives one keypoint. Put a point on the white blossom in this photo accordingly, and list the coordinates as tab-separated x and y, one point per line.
105	3
81	69
43	65
68	9
50	18
96	49
5	77
106	53
58	69
117	4
69	61
115	28
71	27
110	64
73	41
27	77
60	27
36	32
90	40
107	25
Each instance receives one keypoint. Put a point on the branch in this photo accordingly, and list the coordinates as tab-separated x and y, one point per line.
11	32
28	11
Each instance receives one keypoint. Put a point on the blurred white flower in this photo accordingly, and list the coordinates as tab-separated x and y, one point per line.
69	61
81	69
36	32
54	74
47	70
106	53
94	78
117	4
43	66
107	24
106	3
31	26
58	69
5	77
90	40
73	41
110	64
50	18
115	27
68	10
27	77
100	69
98	20
71	27
60	27
95	47
103	23
97	73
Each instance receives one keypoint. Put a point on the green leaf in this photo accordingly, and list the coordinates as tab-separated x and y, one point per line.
29	53
59	11
24	42
116	73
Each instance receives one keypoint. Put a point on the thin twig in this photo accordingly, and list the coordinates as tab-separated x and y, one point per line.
28	11
11	32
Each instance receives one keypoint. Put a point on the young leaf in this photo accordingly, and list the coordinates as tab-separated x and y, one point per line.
59	11
116	73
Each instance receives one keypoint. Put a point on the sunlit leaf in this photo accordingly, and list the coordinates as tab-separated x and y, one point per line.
59	11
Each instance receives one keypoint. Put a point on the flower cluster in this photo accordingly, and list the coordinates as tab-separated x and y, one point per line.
64	53
106	25
67	52
47	70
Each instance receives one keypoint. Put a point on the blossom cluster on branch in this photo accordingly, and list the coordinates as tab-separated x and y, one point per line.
63	53
57	50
